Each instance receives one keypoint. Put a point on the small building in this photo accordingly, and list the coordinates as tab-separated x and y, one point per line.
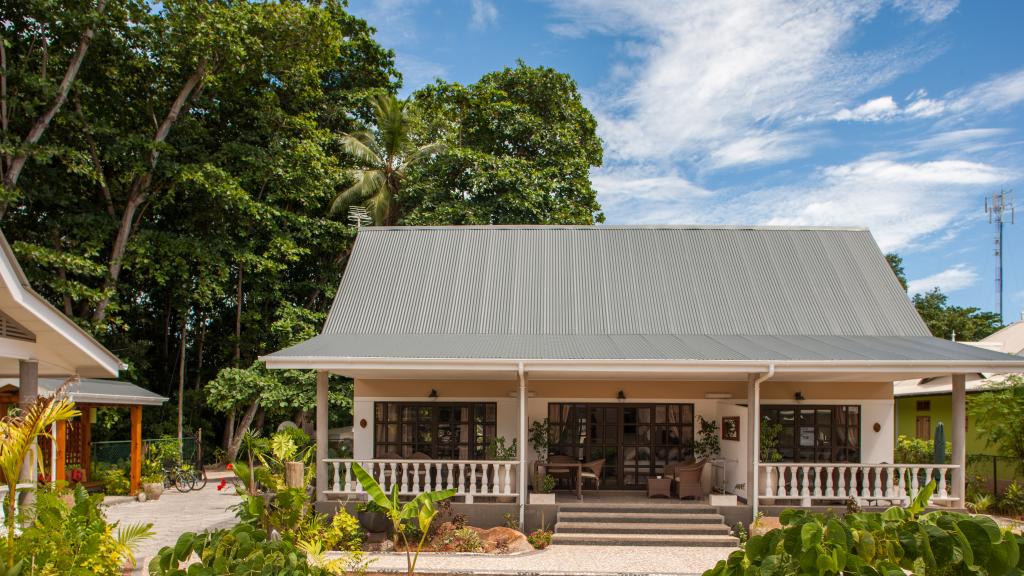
40	348
618	340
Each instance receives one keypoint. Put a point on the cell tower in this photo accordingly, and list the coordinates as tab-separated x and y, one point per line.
1000	211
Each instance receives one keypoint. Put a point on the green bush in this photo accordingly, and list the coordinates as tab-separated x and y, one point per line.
893	542
346	532
115	481
916	451
244	549
301	440
1012	500
75	539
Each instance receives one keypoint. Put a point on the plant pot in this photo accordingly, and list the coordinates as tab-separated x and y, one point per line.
541	498
153	490
374	522
722	499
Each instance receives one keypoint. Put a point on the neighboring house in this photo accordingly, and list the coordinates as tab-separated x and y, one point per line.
40	348
622	337
921	404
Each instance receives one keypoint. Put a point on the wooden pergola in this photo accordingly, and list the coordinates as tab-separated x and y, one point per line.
73	440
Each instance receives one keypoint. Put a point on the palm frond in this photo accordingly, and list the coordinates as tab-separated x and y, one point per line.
424	152
360	145
368	184
128	538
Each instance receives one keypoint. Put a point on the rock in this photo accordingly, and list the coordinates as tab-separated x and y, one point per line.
504	540
141	496
764	525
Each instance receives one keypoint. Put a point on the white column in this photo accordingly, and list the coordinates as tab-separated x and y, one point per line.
28	391
959	433
753	439
522	446
322	422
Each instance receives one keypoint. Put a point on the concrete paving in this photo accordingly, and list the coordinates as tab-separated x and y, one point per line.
563	560
175	513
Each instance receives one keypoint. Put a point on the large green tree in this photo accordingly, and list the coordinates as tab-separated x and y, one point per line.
518	148
947	321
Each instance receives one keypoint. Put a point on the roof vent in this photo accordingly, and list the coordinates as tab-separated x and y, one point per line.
9	328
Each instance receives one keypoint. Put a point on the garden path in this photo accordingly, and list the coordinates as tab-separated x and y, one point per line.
175	513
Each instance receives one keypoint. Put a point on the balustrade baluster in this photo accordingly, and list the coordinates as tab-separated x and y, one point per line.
942	483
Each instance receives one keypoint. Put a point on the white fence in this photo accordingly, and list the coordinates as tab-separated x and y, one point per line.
3	500
865	483
469	478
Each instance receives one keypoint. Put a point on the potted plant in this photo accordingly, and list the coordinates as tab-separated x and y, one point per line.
152	486
543	489
707	447
769	452
372	517
540	438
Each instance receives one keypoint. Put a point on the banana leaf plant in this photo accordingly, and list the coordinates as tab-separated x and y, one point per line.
419	512
895	542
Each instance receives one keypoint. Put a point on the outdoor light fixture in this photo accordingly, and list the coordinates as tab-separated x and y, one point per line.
799	396
717	395
622	395
433	393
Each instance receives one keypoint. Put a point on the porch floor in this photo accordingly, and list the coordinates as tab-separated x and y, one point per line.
638	497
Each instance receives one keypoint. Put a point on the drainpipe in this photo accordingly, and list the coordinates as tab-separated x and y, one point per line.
756	403
522	446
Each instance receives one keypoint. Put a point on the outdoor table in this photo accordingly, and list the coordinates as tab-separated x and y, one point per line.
659	487
574	468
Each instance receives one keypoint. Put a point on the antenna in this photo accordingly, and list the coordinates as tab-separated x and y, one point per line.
997	207
358	216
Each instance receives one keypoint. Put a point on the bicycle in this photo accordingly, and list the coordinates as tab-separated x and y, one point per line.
198	470
179	476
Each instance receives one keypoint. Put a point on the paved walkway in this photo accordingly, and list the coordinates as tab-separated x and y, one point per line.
564	560
175	513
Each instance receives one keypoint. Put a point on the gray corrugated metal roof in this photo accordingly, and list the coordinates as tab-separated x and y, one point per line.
97	391
624	292
620	280
640	347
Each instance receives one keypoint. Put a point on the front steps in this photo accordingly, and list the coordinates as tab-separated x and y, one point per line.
639	525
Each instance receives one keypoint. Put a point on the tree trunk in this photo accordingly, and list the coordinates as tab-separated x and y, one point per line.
139	191
14	164
243	425
229	431
181	380
238	319
199	351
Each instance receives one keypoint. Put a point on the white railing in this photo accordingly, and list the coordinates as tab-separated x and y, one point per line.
865	483
3	500
469	478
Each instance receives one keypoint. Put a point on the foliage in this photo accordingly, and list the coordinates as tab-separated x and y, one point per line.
497	450
540	438
707	445
1012	499
298	436
75	539
896	263
511	521
115	481
944	320
19	432
979	503
916	451
896	541
769	445
453	538
346	533
244	549
419	513
518	149
539	539
997	417
159	455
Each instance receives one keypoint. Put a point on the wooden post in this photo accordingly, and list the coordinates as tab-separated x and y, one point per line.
294	473
959	437
60	457
86	437
322	422
135	477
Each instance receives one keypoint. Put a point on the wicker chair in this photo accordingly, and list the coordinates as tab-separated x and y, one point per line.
560	474
592	471
687	478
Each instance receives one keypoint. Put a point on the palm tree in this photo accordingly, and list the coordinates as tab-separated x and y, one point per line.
18	435
384	155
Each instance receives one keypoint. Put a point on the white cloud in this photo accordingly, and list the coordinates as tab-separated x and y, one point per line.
727	83
485	14
954	278
928	10
878	109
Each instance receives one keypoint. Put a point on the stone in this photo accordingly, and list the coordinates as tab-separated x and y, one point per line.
764	525
504	540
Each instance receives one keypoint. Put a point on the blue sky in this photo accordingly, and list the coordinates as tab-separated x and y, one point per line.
900	116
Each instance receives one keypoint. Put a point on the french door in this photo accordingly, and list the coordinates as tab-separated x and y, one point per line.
635	440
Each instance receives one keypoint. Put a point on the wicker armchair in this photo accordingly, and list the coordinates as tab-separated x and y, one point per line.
560	474
687	478
592	471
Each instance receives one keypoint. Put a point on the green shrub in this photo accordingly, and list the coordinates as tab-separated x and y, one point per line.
468	540
301	440
1012	500
539	539
893	542
115	481
346	532
917	451
76	539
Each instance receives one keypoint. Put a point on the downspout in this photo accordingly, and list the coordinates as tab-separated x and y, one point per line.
756	400
522	445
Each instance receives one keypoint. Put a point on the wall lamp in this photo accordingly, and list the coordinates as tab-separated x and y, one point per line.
622	395
799	397
433	393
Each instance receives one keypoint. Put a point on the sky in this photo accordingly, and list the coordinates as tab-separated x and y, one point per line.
898	115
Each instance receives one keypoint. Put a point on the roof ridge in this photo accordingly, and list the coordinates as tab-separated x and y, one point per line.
599	227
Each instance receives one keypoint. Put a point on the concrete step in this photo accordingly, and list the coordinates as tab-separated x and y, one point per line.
633	507
639	528
645	540
637	517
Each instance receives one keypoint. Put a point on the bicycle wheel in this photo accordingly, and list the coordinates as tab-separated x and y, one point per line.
181	481
200	478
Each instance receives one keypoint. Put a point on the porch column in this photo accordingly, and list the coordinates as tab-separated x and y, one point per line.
322	423
753	439
959	433
61	452
28	391
522	447
86	438
135	473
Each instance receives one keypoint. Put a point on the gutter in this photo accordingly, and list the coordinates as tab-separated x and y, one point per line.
756	428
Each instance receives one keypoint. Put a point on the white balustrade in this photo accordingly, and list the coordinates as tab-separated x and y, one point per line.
3	501
889	483
469	478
